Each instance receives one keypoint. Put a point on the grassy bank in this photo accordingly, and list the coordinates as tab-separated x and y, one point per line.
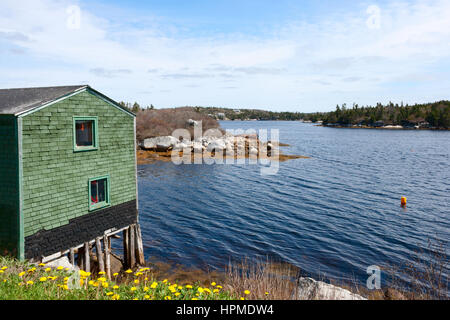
23	281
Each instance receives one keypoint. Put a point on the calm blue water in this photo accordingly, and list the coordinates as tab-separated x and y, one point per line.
334	214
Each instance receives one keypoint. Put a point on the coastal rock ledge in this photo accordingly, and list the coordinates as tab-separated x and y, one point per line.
310	289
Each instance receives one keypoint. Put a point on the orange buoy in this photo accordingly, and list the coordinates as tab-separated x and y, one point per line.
403	201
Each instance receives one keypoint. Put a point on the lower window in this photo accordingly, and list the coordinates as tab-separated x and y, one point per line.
98	193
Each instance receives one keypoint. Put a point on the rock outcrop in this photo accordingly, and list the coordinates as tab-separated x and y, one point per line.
161	144
310	289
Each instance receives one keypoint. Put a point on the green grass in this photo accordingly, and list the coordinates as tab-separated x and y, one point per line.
24	281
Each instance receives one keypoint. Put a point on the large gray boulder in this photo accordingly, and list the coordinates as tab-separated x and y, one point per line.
310	289
163	143
217	145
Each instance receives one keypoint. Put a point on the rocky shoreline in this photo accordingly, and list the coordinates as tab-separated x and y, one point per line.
387	127
212	145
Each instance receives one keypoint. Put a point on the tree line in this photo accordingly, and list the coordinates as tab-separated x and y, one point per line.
435	114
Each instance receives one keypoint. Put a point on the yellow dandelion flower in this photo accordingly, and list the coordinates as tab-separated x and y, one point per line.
116	287
41	264
102	272
115	274
129	271
146	296
267	293
242	298
66	287
136	281
4	268
102	279
145	288
213	284
135	299
219	287
60	268
105	285
67	269
48	269
200	290
177	294
194	299
167	298
110	293
22	274
154	285
247	292
133	289
116	297
43	279
1	271
165	281
30	282
216	290
207	290
189	286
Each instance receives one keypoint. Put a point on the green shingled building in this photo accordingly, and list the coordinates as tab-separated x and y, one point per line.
67	169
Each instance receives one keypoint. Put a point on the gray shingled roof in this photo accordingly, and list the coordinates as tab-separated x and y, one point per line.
16	101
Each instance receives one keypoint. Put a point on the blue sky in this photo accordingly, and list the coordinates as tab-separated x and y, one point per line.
280	55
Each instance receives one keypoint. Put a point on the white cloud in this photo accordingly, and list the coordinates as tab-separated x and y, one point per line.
333	60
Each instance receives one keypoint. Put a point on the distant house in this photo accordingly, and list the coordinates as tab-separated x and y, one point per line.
67	171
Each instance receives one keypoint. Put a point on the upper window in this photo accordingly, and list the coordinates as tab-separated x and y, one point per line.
98	193
85	133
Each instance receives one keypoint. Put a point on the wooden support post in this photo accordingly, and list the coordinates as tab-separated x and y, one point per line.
72	256
107	243
101	265
87	261
131	243
126	256
139	246
80	258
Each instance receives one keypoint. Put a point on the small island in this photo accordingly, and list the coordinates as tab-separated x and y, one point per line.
157	138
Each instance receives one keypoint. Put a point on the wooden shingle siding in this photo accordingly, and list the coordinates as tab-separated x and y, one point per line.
9	186
55	178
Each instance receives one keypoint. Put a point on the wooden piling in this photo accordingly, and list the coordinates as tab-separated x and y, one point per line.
132	250
126	256
87	261
139	246
98	244
72	256
107	244
80	258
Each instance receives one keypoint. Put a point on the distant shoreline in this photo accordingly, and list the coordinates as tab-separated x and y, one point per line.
379	128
